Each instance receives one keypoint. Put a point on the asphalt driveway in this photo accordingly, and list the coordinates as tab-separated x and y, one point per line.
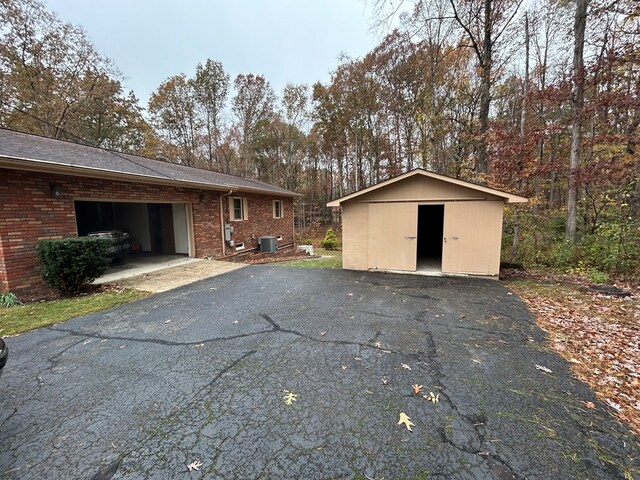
201	374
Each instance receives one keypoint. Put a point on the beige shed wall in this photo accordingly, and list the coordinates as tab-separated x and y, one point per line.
472	227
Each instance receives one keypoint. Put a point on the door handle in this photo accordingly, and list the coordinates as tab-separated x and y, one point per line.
410	238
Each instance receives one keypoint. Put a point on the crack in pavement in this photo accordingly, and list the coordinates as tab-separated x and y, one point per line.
229	367
167	343
278	328
503	471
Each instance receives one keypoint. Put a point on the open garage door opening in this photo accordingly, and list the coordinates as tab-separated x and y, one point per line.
430	234
153	228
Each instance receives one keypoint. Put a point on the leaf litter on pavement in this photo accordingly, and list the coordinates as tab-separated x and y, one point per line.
599	335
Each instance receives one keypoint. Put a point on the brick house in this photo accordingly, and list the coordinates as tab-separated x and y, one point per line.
52	189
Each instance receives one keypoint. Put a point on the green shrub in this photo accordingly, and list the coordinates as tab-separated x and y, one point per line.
70	263
613	247
8	299
330	240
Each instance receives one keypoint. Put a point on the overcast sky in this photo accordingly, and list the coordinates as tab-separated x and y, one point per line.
285	40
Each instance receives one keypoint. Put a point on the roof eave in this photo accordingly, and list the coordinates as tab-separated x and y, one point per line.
32	165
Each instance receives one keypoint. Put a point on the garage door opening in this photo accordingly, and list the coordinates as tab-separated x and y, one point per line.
430	232
153	228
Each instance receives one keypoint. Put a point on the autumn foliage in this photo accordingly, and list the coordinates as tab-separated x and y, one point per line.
487	97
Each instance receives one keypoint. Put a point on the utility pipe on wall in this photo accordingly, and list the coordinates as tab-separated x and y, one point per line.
224	243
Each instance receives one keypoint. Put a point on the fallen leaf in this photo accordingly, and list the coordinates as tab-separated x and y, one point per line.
404	365
575	360
544	369
194	465
589	405
613	405
290	398
417	389
432	398
406	421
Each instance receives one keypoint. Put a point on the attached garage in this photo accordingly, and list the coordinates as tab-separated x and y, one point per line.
159	228
426	223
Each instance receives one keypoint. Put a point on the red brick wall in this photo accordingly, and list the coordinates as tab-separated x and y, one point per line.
260	220
28	213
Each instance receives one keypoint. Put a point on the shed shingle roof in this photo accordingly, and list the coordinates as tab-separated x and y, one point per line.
35	152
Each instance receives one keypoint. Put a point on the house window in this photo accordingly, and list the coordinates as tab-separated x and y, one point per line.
277	209
238	209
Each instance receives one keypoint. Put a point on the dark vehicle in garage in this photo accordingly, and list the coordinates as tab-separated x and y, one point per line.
120	244
4	354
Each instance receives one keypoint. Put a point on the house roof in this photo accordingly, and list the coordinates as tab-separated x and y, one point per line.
508	197
24	151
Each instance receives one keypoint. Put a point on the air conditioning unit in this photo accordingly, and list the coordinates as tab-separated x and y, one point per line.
268	244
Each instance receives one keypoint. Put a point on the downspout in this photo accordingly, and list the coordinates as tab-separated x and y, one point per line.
224	243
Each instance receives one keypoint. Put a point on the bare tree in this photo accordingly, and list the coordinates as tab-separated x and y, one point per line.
577	105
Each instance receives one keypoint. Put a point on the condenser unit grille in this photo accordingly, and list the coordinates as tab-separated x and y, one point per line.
268	244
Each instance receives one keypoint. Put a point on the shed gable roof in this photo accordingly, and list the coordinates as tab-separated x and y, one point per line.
508	197
32	152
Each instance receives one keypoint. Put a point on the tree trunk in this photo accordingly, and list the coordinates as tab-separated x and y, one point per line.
523	132
485	91
577	104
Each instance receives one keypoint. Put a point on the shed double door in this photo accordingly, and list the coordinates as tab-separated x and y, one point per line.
393	234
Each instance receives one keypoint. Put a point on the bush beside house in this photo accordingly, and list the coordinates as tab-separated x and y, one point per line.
70	263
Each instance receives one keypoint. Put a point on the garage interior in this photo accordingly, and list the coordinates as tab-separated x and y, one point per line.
153	228
430	237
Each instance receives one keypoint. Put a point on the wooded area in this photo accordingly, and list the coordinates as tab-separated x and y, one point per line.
541	98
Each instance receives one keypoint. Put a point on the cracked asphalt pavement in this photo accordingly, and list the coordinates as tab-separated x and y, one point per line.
200	373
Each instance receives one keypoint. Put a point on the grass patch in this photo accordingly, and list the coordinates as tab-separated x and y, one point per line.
27	317
327	259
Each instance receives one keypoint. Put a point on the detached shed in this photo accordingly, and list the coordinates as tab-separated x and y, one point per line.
424	222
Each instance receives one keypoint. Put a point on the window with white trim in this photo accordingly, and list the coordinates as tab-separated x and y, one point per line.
277	209
238	209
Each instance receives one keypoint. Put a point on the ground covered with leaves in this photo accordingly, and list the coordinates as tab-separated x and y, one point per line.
598	334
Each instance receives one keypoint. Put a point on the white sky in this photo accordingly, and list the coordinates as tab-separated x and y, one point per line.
284	40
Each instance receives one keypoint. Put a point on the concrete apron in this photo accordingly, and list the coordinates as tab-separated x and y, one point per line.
134	267
162	273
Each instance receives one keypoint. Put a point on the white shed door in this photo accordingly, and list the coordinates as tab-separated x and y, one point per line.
393	233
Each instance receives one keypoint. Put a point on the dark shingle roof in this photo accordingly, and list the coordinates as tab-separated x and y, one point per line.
36	150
